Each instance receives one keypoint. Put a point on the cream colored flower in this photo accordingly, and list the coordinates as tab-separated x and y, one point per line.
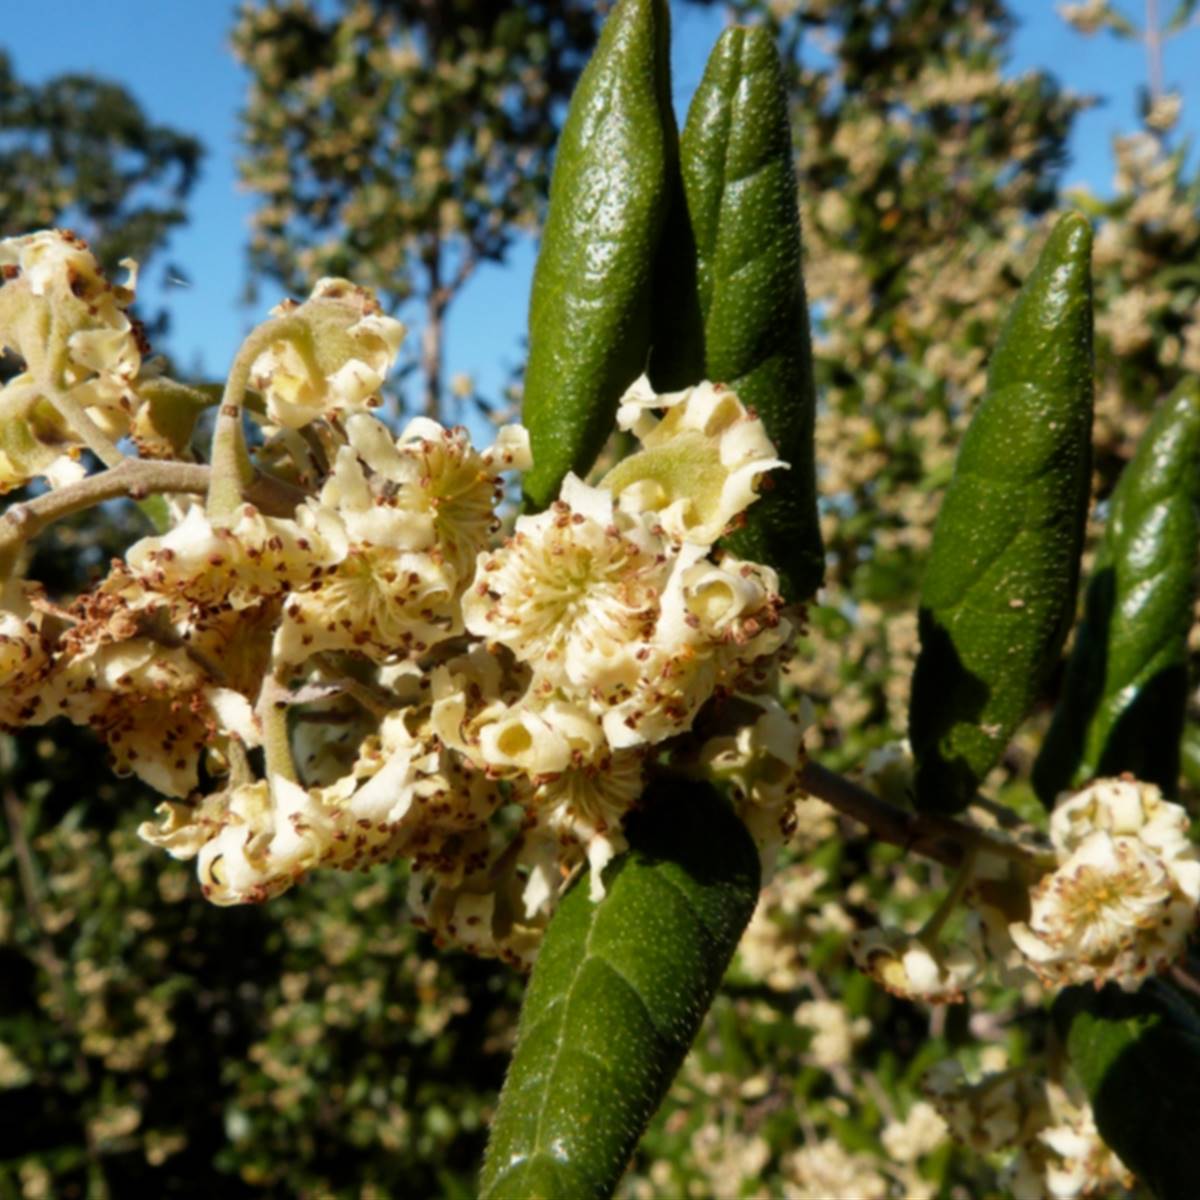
1124	897
835	1032
337	364
761	759
826	1169
374	601
689	658
998	1111
699	465
69	325
920	1133
258	839
587	803
455	488
415	511
478	915
155	706
427	490
573	592
24	655
907	967
1067	1158
759	763
470	692
732	602
199	565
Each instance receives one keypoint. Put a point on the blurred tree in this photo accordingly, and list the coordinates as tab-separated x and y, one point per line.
403	142
79	151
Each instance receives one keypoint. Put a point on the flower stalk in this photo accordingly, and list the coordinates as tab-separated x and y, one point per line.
232	470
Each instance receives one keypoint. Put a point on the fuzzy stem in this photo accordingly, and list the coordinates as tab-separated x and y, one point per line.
92	436
273	703
232	471
133	477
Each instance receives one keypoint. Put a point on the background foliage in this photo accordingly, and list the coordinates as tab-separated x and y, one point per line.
318	1047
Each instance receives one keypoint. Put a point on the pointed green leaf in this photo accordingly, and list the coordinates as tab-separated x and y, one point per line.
616	997
999	591
732	306
1125	693
589	313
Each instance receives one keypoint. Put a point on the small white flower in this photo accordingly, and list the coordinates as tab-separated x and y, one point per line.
835	1033
920	1133
907	967
684	663
55	297
1066	1158
699	465
24	655
823	1169
202	565
760	763
572	592
427	490
374	601
338	365
257	839
587	804
155	706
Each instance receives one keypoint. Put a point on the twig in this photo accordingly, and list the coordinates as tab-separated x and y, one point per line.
137	478
92	436
943	839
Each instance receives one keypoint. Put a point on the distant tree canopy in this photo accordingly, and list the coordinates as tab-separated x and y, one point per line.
402	142
79	151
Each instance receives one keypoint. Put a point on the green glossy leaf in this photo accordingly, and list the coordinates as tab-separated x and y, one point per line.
999	591
1138	1058
1125	692
589	313
733	307
616	997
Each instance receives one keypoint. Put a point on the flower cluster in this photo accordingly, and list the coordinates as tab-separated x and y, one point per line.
415	685
1113	898
81	352
1059	1154
1123	899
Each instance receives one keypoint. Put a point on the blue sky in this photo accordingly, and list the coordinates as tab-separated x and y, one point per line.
174	57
